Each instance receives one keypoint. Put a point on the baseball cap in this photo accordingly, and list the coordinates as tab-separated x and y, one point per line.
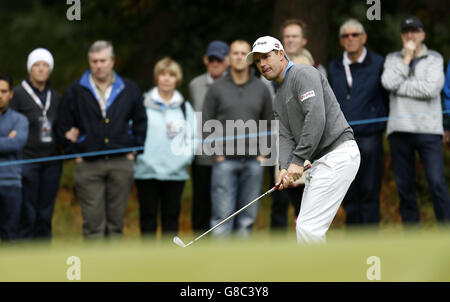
217	49
411	22
264	45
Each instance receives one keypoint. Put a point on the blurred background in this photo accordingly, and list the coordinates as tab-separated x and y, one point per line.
144	31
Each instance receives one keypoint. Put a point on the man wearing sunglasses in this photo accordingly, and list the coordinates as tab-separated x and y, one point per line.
414	77
216	62
355	77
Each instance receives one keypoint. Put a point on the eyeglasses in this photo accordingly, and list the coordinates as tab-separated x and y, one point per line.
353	35
213	59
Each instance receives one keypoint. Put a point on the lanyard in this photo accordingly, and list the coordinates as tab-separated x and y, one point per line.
36	99
346	61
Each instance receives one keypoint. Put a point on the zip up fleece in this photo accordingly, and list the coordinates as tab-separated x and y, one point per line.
415	92
311	121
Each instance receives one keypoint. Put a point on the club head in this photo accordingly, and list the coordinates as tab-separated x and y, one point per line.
177	240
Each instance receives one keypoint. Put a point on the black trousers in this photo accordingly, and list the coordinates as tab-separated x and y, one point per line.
280	203
362	201
40	184
201	208
155	195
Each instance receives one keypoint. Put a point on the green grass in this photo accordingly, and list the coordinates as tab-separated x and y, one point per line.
406	256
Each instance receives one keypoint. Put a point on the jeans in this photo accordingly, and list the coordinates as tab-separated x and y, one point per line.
403	148
234	184
40	184
362	202
10	203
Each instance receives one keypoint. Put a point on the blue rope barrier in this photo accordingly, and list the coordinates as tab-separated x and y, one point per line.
132	149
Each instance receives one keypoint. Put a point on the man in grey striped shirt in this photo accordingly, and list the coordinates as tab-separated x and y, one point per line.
312	127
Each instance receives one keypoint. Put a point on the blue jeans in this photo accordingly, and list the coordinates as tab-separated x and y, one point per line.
40	184
362	201
429	147
234	184
10	203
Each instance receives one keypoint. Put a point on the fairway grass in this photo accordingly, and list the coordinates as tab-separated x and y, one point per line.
405	256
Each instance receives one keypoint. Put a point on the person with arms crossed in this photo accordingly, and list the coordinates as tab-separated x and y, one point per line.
311	127
13	136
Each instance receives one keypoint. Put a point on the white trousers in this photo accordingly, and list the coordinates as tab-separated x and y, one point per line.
326	184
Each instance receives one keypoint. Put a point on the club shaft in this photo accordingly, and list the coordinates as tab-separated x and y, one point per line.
232	215
307	167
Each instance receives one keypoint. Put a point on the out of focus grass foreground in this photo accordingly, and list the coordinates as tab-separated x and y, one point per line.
419	254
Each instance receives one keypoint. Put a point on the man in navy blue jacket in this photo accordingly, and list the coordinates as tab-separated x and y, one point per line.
13	135
356	81
102	111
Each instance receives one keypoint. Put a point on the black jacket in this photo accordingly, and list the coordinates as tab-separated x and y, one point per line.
124	126
22	102
367	99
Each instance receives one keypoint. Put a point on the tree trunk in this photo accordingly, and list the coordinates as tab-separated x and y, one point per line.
315	13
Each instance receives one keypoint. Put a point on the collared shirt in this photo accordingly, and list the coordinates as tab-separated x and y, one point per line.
346	61
102	96
290	64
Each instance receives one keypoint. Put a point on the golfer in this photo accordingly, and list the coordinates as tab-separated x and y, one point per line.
312	127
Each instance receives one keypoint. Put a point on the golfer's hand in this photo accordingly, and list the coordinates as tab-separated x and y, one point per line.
283	181
295	172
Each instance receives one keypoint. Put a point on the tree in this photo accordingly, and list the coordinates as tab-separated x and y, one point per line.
315	13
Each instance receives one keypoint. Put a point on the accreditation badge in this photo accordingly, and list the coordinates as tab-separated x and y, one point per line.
45	127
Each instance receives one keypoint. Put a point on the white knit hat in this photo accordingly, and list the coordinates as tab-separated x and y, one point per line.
40	54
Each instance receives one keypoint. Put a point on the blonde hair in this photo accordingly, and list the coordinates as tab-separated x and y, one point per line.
167	64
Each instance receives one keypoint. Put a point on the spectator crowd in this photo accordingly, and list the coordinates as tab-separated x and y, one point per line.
398	96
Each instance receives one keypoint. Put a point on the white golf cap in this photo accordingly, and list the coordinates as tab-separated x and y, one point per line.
264	45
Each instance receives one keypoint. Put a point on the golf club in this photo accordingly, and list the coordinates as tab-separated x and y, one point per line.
177	240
